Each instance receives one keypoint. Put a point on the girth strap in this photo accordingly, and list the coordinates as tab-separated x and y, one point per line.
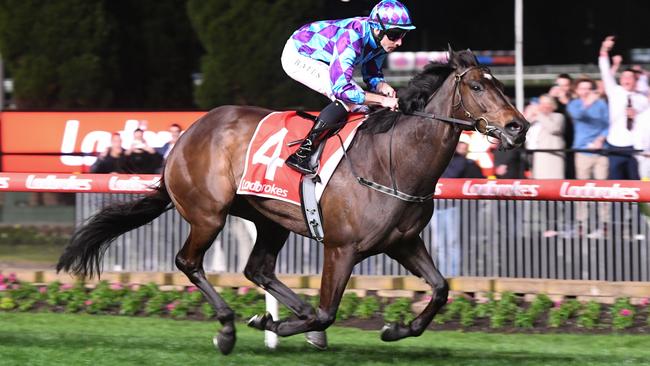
394	192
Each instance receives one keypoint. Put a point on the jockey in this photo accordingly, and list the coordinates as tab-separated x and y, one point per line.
323	55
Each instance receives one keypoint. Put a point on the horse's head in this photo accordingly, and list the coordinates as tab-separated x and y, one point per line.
478	96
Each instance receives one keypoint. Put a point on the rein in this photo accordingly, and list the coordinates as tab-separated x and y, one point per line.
474	124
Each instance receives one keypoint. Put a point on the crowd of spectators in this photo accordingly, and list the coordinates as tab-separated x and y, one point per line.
586	129
580	129
139	157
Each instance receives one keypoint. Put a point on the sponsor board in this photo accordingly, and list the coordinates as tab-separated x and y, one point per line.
497	189
88	133
78	183
546	190
84	133
592	190
132	184
55	183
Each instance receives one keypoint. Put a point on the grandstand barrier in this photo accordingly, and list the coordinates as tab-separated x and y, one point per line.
504	189
518	229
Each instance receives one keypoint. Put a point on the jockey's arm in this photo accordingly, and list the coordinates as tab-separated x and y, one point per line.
344	87
374	77
379	88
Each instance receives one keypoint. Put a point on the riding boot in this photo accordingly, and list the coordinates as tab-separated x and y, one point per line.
305	159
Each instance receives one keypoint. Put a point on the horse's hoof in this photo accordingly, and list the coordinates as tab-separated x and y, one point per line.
224	342
259	321
394	332
317	339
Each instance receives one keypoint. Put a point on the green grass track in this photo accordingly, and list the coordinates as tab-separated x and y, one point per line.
60	339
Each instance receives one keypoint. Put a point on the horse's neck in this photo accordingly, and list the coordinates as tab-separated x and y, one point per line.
422	148
417	149
431	146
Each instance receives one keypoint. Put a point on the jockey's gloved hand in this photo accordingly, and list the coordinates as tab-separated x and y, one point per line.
390	102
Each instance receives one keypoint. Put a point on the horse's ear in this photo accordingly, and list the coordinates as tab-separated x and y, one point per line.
451	53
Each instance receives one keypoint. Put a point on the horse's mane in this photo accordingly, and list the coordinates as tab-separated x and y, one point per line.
416	94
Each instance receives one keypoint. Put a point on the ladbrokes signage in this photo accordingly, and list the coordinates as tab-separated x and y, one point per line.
39	136
83	183
35	133
545	190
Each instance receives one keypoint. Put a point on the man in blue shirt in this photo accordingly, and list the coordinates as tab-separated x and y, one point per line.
590	117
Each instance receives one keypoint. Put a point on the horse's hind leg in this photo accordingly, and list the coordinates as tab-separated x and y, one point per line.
413	255
260	270
190	260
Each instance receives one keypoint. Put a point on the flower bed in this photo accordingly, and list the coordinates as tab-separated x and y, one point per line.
508	313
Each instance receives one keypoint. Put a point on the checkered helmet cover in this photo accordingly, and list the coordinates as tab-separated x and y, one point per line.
393	14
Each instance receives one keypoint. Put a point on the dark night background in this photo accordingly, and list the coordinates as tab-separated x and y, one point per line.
145	54
555	32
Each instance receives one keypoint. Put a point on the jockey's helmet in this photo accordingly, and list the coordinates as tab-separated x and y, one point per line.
389	14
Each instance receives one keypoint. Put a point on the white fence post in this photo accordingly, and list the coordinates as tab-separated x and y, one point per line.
270	338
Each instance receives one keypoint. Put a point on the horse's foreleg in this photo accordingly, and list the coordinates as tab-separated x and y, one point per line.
413	255
337	267
260	270
190	260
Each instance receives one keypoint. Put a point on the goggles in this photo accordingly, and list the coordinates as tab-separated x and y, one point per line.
393	34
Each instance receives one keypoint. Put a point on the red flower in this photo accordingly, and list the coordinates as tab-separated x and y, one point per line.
171	306
625	312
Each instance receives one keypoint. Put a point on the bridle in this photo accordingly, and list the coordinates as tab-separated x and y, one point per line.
480	124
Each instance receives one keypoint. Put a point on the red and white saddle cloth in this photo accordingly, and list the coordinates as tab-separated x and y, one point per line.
265	173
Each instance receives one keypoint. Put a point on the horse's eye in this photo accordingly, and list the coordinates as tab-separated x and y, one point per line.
475	86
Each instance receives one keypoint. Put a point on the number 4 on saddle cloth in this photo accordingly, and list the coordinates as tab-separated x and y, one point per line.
266	174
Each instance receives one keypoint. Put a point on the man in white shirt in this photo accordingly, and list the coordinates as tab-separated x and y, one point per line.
625	103
642	142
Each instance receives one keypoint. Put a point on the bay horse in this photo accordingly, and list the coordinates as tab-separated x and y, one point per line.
407	150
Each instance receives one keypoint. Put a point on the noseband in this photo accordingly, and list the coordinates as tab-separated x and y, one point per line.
480	124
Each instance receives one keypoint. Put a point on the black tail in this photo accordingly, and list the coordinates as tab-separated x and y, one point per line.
83	255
